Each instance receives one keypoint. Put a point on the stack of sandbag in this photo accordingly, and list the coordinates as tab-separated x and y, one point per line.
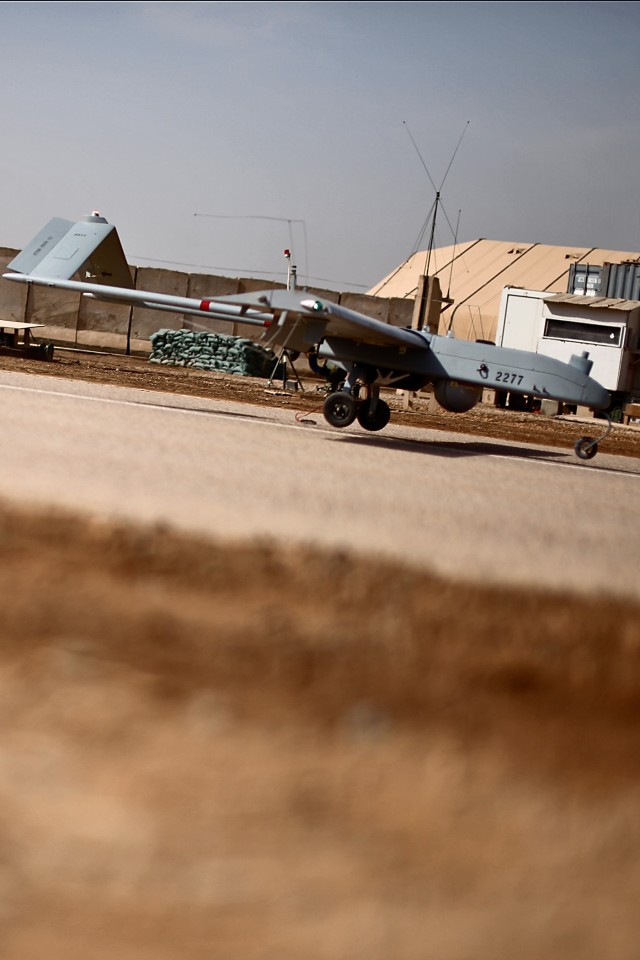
212	351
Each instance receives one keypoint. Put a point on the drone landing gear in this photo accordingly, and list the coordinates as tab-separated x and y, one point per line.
586	447
342	408
375	418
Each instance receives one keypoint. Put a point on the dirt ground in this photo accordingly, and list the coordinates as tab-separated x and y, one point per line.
219	751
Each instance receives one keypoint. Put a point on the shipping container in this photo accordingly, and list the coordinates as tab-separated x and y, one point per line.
621	280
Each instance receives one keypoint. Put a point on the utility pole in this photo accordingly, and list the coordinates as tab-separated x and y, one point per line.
292	272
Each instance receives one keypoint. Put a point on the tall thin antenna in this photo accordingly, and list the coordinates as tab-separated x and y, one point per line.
433	233
454	154
438	190
425	286
420	155
455	243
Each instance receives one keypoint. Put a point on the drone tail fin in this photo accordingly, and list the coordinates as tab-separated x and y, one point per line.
91	248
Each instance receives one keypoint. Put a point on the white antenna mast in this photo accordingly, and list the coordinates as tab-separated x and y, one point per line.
292	271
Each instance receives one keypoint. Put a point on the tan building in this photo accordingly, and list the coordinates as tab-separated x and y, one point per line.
473	275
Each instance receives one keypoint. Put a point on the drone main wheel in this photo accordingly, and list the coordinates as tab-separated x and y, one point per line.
340	409
376	419
586	448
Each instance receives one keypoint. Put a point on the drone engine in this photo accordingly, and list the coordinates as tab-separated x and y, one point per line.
457	397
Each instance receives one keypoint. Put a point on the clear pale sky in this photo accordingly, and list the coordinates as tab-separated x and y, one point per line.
151	112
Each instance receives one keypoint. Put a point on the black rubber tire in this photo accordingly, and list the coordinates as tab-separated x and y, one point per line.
340	409
586	448
376	420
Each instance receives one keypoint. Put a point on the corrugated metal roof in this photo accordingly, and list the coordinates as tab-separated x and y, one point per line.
594	303
475	273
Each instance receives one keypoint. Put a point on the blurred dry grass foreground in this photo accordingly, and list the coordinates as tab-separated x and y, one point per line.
249	751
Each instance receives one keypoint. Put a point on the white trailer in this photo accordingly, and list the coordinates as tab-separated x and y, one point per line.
559	325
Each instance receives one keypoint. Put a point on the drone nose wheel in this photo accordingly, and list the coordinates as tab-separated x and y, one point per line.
586	448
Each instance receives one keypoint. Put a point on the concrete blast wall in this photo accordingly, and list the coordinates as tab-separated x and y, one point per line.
72	320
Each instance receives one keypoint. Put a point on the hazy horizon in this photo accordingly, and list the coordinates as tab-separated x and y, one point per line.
261	113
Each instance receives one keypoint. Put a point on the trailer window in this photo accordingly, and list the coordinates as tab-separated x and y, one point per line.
585	332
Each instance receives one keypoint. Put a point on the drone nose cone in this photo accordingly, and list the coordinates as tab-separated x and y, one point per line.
596	396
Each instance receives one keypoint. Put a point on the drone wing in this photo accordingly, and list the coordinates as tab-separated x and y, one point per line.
87	257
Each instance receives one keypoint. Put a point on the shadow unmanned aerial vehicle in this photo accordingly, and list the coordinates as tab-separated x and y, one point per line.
371	353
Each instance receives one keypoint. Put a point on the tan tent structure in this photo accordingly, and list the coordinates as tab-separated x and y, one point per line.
473	275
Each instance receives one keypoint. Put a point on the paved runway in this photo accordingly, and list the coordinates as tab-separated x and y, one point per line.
464	506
